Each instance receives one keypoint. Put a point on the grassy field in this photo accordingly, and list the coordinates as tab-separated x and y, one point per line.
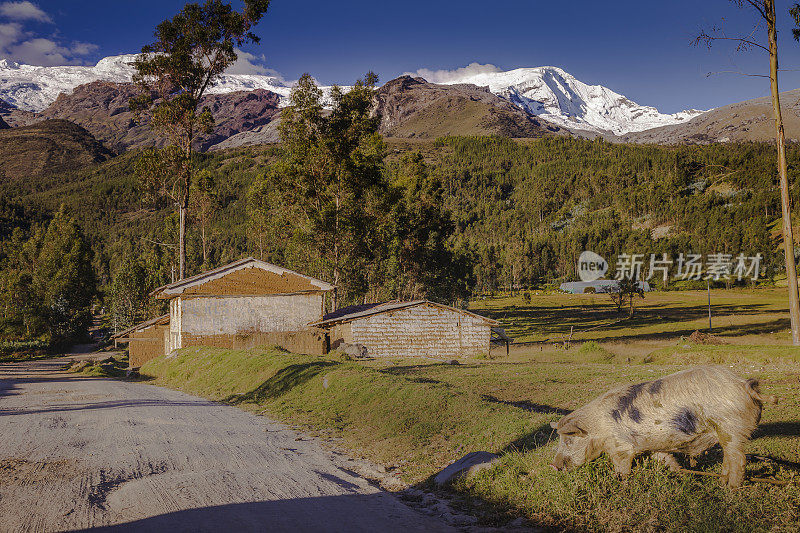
416	416
742	315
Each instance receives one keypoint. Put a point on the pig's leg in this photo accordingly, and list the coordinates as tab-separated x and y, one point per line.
693	461
733	462
668	459
622	460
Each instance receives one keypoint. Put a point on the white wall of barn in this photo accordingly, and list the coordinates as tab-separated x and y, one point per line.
230	315
174	341
422	331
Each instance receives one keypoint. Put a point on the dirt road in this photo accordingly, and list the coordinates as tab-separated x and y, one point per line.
80	452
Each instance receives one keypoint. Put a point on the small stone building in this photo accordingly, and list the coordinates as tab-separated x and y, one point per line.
417	329
243	304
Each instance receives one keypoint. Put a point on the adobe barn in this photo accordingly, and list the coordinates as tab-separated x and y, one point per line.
418	328
240	305
145	341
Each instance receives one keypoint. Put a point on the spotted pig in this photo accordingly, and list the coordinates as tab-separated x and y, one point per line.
686	412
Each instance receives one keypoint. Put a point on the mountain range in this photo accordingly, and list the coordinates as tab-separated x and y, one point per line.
520	103
558	97
549	93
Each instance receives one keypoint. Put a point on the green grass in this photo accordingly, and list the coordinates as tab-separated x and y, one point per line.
113	368
15	351
417	416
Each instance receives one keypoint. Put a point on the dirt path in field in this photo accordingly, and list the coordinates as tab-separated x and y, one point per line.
79	452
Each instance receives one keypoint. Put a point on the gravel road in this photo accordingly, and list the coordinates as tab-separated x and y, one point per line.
78	452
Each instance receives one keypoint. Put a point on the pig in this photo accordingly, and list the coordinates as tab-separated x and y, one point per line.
686	412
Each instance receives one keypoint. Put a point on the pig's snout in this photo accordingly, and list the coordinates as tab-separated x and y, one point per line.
559	463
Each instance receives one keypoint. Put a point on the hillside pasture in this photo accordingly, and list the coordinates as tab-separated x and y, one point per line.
417	415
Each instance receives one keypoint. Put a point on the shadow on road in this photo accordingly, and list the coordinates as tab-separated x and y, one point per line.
346	513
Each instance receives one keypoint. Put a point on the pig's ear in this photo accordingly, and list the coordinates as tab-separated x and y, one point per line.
571	428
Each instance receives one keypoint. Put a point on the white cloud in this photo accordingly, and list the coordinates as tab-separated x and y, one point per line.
48	53
23	11
244	64
247	63
83	49
23	46
455	75
9	34
40	51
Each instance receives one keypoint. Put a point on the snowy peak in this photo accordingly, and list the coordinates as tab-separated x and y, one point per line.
34	88
557	96
547	92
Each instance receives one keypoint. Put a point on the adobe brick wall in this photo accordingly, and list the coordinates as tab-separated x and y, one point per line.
422	331
146	345
220	317
309	341
341	333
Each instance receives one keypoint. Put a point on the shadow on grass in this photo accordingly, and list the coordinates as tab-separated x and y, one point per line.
528	406
410	369
777	429
541	436
554	321
282	382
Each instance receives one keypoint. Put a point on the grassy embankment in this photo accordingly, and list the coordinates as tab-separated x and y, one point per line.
416	416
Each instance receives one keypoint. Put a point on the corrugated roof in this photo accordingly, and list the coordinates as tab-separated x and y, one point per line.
350	310
354	312
163	319
302	282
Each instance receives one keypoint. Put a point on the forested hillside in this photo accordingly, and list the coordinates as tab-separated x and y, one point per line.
457	215
528	209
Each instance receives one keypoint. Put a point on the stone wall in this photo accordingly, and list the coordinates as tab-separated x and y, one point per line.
422	331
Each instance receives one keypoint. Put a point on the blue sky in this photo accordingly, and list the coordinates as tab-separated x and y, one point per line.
639	49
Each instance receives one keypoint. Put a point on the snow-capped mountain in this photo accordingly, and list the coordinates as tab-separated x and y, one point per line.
34	88
548	92
556	96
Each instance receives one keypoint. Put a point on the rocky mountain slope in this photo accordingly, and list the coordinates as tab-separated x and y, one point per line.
555	95
16	117
102	108
412	107
34	88
47	148
546	92
750	120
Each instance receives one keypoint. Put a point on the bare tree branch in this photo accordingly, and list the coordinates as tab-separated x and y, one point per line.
168	245
737	72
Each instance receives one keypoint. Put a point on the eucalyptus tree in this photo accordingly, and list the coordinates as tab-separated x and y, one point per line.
190	52
765	15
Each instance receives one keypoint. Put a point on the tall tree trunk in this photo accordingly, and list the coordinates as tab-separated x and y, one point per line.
788	237
203	236
184	207
336	273
182	240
